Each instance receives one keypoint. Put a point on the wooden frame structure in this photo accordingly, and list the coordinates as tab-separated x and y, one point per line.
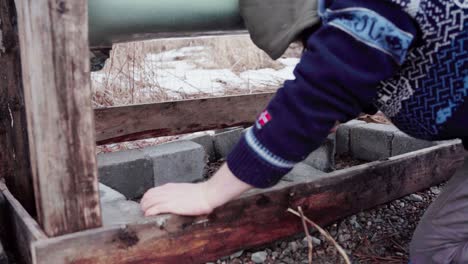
48	136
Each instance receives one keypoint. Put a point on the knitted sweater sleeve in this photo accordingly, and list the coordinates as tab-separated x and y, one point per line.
359	44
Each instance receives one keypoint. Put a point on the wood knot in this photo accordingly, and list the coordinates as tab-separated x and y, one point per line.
62	7
127	237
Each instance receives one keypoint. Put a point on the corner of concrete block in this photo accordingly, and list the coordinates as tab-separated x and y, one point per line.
304	172
323	158
224	142
371	141
343	134
107	194
180	161
129	172
207	142
403	143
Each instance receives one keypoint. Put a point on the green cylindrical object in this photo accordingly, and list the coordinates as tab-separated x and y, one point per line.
113	21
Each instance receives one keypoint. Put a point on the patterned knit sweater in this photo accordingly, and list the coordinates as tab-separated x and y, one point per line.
406	57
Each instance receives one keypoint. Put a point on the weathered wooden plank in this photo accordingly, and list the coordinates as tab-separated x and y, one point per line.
22	230
256	218
117	124
55	62
14	155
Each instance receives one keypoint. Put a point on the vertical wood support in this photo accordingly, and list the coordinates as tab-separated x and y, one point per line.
54	52
14	150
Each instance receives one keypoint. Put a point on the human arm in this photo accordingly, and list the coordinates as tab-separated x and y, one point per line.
194	199
335	80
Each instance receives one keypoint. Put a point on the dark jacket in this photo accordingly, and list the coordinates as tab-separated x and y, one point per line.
406	57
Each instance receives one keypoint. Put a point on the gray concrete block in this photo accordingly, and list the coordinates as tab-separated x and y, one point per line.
372	141
343	136
402	143
180	161
108	194
121	212
224	142
128	172
323	158
303	172
206	141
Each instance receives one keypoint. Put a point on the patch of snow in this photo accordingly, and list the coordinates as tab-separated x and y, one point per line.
292	62
179	72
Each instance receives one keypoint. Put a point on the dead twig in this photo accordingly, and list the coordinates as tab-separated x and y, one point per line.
306	230
325	234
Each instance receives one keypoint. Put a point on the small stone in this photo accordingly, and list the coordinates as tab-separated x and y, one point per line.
237	254
402	204
415	198
293	246
369	223
316	241
435	190
344	238
259	257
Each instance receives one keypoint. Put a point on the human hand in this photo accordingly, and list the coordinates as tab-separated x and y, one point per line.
177	198
194	199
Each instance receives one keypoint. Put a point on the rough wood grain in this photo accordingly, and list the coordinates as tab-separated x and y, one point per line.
14	155
22	230
117	124
256	218
55	62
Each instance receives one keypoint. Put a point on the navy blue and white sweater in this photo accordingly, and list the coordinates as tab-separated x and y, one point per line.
407	58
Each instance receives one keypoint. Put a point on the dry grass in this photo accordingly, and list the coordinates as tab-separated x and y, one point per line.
127	72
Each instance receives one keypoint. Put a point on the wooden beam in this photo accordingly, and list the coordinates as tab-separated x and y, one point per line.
22	230
55	59
14	155
257	218
117	124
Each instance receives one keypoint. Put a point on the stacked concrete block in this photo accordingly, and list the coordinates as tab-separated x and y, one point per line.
225	142
303	172
323	158
109	195
121	212
403	143
372	141
206	141
343	134
129	172
180	161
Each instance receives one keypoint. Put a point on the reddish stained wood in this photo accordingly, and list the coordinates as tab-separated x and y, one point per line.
21	228
14	155
257	218
55	62
117	124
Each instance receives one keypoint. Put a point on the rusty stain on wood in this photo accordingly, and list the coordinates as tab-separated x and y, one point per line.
118	124
54	51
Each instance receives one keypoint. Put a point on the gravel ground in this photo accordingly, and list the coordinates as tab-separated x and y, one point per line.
379	235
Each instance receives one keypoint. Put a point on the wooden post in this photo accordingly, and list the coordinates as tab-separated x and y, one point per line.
14	150
55	59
